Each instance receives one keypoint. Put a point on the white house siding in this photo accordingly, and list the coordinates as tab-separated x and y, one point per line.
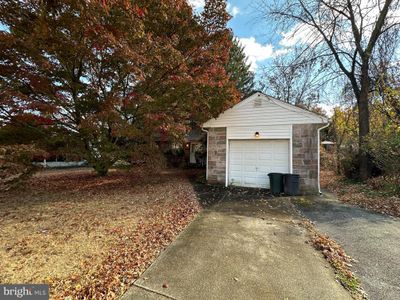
273	120
261	110
265	132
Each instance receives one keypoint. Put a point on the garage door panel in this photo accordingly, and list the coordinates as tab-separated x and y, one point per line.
236	168
236	181
254	182
240	145
265	169
250	161
249	169
265	162
251	181
265	156
249	156
266	148
236	156
236	176
279	162
281	156
250	173
280	169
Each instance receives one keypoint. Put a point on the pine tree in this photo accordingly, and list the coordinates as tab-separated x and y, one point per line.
238	69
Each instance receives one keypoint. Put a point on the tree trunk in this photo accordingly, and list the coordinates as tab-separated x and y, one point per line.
363	123
101	169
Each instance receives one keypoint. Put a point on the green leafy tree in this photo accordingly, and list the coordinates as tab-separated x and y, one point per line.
238	69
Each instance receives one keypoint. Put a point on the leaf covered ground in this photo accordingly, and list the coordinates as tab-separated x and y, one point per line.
381	194
338	259
90	237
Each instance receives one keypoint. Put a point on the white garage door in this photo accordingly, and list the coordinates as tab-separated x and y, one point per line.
250	161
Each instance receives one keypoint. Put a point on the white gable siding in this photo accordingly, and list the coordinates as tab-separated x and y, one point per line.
262	110
265	132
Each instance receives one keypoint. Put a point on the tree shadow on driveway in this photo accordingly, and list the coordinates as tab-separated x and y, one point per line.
244	201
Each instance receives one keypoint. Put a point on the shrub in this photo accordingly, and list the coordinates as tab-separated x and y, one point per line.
148	158
328	160
390	185
175	157
385	151
16	164
349	165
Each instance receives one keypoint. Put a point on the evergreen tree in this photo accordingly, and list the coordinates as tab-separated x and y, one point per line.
238	69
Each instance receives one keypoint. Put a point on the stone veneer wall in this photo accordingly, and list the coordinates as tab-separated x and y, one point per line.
216	155
305	156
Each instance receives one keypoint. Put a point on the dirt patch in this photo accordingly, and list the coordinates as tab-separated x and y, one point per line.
379	194
88	236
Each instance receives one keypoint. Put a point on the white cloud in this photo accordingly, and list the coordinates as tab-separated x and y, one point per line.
298	34
233	10
197	4
257	52
328	108
282	51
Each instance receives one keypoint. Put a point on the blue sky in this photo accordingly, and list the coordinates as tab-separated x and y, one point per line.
260	40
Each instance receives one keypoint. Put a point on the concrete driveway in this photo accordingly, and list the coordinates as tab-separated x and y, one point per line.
370	238
245	247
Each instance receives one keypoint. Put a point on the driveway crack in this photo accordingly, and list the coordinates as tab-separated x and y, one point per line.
154	291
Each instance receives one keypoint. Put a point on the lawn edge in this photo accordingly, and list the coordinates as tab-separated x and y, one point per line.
337	258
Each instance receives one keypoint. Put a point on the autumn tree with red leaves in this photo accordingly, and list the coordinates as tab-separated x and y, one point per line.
112	74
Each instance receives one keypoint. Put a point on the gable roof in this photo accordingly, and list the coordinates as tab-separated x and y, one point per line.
260	109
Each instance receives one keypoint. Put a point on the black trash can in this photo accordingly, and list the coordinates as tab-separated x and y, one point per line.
276	183
291	184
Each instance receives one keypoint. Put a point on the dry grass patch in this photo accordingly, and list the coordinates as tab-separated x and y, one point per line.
89	236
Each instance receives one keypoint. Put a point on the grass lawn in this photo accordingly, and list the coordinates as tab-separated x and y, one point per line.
380	194
88	236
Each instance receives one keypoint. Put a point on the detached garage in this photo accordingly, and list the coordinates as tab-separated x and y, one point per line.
262	135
